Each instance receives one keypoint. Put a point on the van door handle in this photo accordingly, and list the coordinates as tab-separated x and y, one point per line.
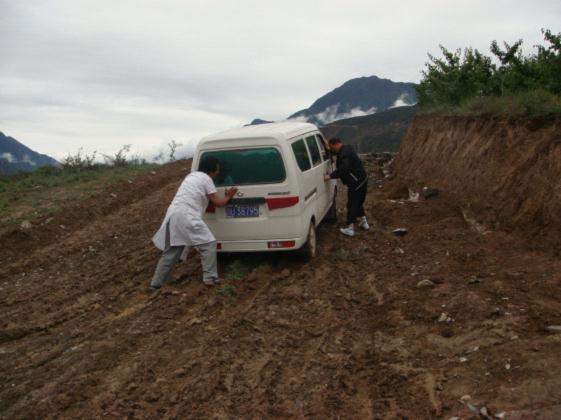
311	193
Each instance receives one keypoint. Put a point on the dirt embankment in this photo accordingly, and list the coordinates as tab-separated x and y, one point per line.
505	173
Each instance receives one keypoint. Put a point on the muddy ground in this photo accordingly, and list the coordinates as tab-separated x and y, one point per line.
351	334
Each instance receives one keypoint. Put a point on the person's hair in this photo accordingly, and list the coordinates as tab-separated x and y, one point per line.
209	164
335	140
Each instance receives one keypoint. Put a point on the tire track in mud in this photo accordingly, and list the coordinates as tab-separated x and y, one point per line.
87	263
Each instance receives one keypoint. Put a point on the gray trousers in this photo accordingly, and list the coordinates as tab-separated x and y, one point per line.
171	256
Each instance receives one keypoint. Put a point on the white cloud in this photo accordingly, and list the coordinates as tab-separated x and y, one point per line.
357	112
299	118
332	113
27	159
403	100
8	157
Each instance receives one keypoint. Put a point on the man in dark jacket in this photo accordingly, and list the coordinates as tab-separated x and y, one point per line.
352	174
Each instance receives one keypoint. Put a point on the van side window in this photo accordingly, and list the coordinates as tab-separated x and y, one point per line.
314	150
322	147
301	155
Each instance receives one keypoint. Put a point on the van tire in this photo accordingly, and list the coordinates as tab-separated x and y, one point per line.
309	250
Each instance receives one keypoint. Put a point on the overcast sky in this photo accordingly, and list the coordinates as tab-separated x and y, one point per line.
103	73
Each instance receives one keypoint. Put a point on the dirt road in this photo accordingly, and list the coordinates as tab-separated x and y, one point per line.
355	333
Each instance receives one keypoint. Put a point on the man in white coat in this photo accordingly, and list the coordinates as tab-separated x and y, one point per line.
183	227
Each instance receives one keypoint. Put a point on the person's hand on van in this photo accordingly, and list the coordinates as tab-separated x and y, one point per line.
230	192
327	177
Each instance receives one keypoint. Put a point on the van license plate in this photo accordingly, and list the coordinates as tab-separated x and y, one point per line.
242	211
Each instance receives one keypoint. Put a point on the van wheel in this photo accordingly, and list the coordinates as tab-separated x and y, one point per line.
309	249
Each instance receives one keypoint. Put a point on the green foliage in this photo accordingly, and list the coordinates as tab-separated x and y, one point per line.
548	63
227	290
453	79
532	103
237	270
471	82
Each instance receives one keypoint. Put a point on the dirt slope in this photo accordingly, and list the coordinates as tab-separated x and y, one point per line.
348	335
505	172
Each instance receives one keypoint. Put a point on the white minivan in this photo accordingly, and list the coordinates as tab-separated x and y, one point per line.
282	197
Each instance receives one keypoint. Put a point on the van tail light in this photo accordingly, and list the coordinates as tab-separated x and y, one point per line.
218	245
280	244
210	208
282	202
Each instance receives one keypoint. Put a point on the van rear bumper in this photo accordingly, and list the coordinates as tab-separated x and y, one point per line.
257	245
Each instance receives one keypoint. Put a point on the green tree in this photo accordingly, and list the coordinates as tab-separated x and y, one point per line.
457	78
511	73
548	63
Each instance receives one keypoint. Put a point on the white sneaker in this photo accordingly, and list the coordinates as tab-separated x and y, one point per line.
363	224
349	230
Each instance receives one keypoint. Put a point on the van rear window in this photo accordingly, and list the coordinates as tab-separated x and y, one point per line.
248	166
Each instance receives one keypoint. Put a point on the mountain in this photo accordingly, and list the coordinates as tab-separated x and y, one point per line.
258	121
16	157
358	97
380	132
370	113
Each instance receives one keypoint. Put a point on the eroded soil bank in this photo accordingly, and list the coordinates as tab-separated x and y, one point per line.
505	173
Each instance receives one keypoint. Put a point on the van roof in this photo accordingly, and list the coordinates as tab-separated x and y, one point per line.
280	130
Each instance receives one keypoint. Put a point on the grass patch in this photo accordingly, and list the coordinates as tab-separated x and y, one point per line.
48	189
533	103
237	270
227	290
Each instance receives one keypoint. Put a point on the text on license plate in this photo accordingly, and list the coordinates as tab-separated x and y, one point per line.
242	211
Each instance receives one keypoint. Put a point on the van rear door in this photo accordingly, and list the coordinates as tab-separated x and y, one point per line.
320	169
265	200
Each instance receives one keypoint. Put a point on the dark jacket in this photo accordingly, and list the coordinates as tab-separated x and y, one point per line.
349	168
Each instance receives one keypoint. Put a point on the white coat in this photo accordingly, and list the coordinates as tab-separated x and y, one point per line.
185	214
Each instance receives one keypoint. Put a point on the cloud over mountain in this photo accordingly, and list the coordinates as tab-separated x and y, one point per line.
358	97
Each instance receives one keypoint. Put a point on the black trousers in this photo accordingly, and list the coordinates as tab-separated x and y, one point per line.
355	202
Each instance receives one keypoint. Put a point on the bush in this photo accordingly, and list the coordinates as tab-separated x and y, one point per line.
119	158
79	161
471	83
